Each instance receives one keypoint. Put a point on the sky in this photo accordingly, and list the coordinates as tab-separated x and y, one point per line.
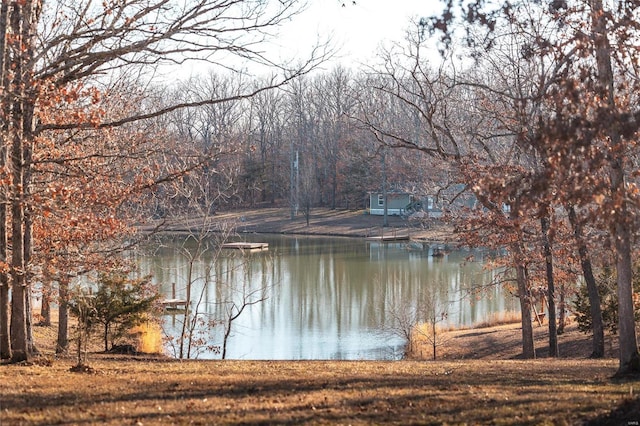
357	29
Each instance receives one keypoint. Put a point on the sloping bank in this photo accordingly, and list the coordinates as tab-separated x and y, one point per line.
321	221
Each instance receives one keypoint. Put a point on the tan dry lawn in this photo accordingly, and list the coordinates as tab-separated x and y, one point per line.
135	391
505	342
322	221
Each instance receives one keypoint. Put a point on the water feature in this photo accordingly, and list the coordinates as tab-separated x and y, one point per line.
320	297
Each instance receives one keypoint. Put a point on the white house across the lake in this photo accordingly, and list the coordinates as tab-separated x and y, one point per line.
407	204
397	203
401	204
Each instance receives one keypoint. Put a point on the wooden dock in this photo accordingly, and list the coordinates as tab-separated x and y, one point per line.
246	246
174	304
391	237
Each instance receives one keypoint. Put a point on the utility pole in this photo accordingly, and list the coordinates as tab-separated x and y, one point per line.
385	220
294	177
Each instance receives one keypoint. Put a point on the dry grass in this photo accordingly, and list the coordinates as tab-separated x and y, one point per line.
122	390
503	340
323	221
446	346
499	318
134	391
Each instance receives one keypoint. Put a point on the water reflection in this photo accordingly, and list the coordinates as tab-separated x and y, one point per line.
326	298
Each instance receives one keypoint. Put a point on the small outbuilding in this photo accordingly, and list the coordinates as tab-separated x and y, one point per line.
398	203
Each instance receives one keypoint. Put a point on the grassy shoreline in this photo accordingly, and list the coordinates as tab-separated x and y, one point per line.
322	221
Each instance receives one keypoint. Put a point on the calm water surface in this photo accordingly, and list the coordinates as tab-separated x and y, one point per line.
325	298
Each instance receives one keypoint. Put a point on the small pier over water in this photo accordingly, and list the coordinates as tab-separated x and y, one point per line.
174	304
246	246
389	237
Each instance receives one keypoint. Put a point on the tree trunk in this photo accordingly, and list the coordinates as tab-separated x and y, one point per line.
528	347
79	342
334	183
62	345
621	226
23	20
45	308
19	342
307	210
231	317
433	330
548	256
629	357
562	309
293	184
187	315
5	342
592	287
227	333
31	343
106	337
28	224
18	329
45	311
385	220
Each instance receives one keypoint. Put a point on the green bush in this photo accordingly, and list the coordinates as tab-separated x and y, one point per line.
119	304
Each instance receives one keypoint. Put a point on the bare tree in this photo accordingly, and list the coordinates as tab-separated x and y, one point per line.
242	297
434	313
301	136
450	128
588	133
333	99
52	51
266	159
404	320
419	319
621	226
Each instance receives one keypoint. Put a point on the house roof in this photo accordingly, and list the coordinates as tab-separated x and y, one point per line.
392	192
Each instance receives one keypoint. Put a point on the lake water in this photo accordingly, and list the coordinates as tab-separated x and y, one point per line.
324	298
